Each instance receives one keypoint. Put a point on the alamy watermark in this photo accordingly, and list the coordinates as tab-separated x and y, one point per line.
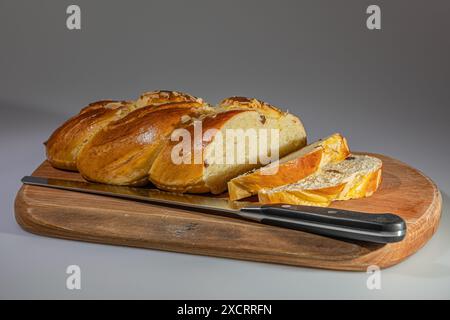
374	280
373	21
73	281
73	21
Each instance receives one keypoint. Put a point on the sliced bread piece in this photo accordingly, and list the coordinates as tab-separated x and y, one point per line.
357	176
290	168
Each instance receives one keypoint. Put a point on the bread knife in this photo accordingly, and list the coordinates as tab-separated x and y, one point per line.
330	222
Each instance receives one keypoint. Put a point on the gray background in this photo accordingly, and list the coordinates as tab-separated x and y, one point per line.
387	91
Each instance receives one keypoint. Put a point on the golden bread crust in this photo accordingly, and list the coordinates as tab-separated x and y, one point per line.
292	171
159	97
67	141
122	153
96	105
251	103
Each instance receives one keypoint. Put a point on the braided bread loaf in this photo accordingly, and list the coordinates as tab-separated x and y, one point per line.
129	143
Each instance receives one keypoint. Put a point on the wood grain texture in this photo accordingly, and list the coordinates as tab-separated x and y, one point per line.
404	191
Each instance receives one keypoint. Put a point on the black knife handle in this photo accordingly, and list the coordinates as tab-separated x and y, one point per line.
379	228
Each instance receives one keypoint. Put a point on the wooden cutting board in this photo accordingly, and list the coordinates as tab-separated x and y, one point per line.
71	215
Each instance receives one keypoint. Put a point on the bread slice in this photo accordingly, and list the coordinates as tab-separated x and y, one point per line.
123	152
214	171
357	176
290	168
